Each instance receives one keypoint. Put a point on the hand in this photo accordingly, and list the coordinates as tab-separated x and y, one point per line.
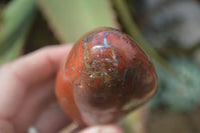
27	94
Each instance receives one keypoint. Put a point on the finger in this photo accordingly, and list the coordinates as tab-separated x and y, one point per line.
39	65
35	102
6	127
103	129
17	77
52	120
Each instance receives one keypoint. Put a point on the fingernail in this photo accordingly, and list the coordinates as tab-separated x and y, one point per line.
107	129
102	129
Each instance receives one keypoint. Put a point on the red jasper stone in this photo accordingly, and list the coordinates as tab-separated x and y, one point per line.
105	76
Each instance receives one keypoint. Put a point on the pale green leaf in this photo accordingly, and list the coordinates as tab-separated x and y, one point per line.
15	21
70	19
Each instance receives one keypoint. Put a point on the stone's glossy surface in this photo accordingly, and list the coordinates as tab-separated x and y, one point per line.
105	76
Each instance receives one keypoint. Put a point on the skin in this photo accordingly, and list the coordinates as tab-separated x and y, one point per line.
27	94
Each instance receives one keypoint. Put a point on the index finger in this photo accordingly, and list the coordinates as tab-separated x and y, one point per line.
39	65
16	77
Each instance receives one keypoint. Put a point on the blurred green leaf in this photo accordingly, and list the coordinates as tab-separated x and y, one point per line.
70	19
179	94
15	22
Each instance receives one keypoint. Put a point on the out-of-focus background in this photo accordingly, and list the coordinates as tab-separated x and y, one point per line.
168	30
